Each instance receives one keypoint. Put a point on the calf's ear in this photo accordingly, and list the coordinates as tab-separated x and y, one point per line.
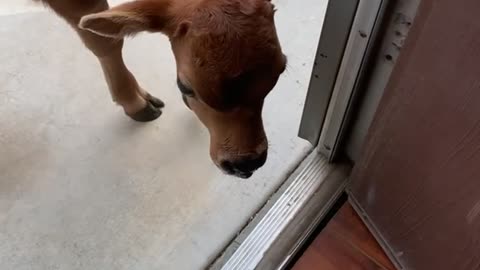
128	19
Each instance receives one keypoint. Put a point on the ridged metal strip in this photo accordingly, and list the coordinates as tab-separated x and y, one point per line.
280	215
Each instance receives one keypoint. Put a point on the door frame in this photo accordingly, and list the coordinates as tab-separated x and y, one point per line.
325	125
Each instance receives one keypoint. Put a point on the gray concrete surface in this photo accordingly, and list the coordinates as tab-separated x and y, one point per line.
83	187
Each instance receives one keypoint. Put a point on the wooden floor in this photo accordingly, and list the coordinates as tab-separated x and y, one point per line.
344	244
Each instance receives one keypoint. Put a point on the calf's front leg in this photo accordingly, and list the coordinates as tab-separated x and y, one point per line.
125	91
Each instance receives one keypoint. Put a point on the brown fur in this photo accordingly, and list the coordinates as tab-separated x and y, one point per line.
227	51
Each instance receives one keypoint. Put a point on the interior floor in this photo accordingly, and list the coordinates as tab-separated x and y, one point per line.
345	243
84	187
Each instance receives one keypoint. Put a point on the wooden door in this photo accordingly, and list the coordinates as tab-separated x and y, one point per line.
418	179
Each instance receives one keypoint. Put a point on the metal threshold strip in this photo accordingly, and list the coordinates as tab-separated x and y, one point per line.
301	204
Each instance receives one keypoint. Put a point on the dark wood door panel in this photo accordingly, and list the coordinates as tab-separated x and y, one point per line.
418	178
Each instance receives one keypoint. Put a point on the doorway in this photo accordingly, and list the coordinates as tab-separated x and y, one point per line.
71	198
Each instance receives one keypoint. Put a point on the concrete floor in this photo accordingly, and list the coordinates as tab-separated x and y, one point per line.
83	187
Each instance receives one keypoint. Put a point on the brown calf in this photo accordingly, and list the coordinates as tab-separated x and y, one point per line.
228	59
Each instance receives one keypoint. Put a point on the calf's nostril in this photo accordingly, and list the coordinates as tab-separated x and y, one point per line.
227	166
249	164
244	167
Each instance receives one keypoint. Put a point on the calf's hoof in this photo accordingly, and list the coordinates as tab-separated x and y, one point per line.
156	102
151	112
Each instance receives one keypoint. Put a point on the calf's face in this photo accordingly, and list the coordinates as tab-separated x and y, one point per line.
228	59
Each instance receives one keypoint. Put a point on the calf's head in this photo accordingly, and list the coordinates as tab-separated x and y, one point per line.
228	59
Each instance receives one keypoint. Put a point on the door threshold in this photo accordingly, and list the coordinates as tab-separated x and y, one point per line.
281	227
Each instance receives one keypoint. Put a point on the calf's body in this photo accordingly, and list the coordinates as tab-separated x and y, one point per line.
228	59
